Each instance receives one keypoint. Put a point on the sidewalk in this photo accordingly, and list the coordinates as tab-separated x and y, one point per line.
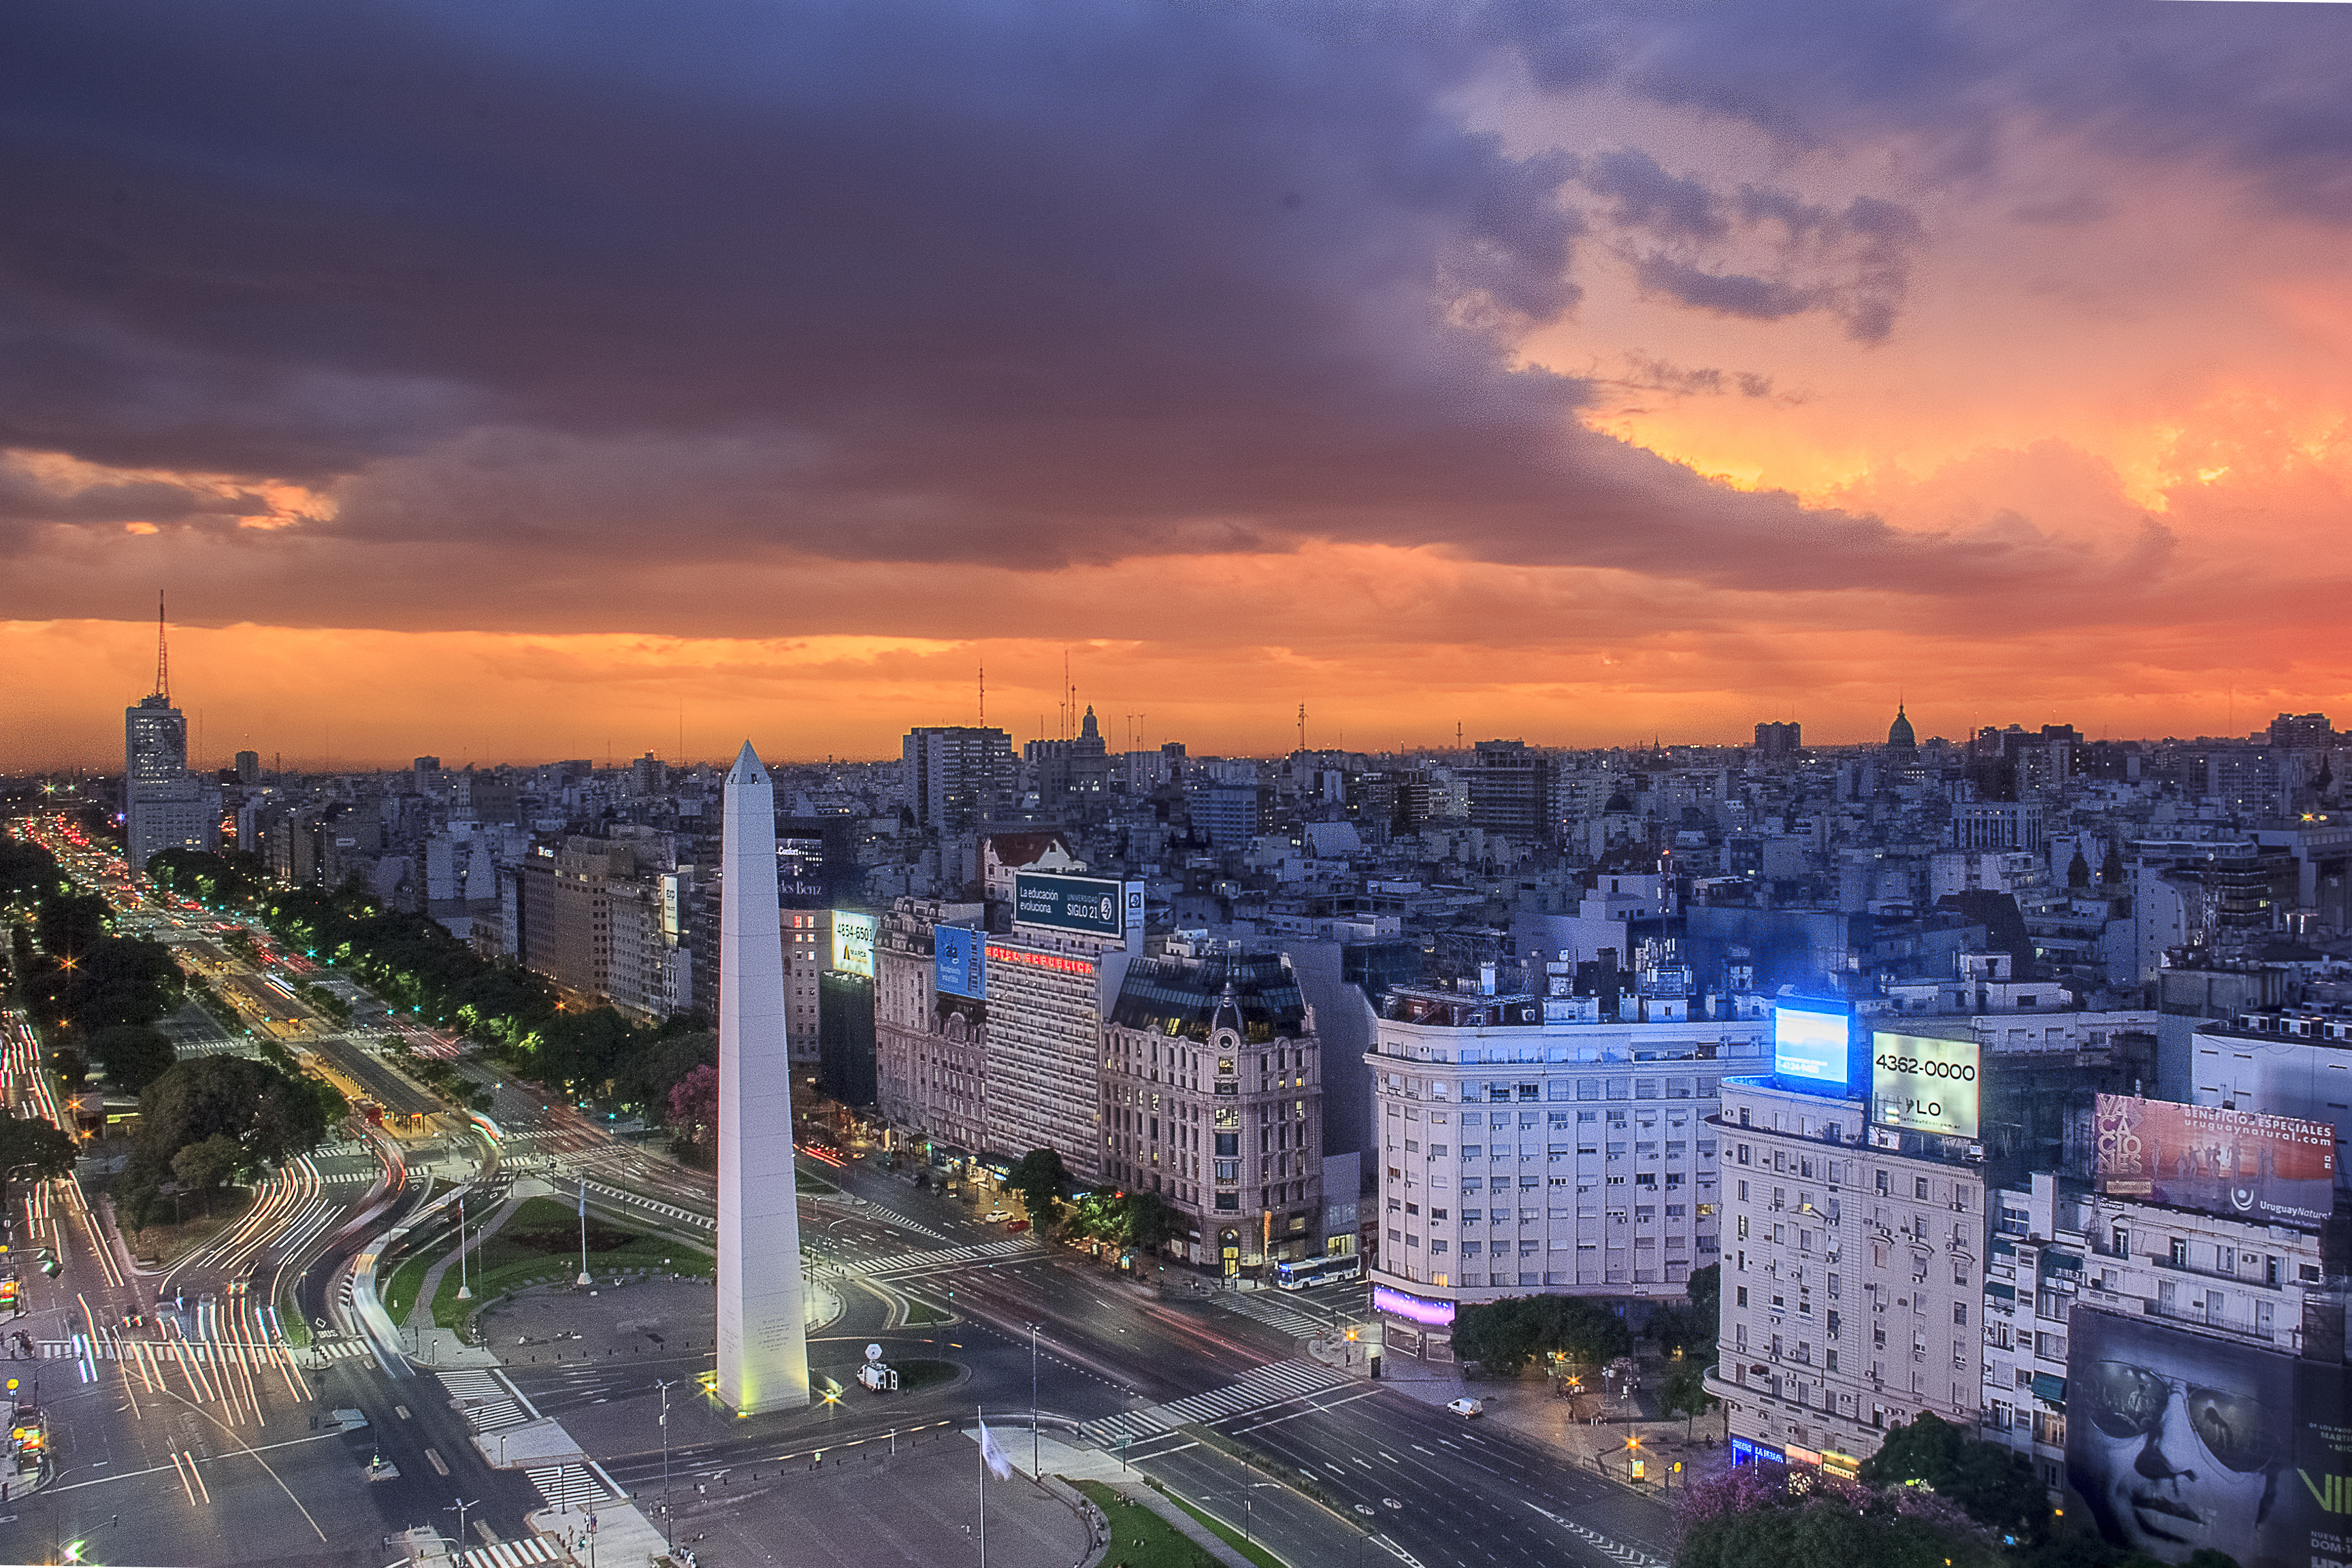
420	1311
1059	1460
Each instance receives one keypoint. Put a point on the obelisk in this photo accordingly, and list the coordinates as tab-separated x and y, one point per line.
763	1325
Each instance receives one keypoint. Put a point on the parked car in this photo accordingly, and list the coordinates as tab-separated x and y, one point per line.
1467	1407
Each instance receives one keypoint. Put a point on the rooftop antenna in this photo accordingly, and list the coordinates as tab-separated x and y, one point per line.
1302	726
983	694
163	655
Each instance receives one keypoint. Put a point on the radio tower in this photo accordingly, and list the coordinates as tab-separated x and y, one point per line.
163	655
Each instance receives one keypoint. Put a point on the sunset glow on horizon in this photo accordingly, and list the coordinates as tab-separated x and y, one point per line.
1592	377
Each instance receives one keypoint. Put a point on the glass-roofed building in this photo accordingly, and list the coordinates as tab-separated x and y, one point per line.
1211	1097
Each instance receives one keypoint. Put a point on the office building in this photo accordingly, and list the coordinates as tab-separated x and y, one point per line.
1510	790
929	1045
248	767
1559	1143
1211	1097
954	777
163	806
1854	1264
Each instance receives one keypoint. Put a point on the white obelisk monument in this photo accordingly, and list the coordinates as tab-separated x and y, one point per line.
762	1325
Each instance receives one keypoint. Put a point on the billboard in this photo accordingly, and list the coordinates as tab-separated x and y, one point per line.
2237	1164
1091	906
1923	1084
853	943
1423	1310
2178	1440
1811	1047
960	963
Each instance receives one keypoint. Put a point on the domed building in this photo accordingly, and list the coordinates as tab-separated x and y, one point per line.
1899	737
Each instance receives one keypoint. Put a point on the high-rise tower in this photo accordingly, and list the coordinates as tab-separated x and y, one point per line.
763	1322
163	807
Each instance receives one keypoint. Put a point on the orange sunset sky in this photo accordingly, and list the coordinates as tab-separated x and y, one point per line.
518	386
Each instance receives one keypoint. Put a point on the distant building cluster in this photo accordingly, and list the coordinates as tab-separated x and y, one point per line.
1506	1019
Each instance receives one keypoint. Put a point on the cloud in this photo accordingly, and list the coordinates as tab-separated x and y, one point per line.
2253	91
882	280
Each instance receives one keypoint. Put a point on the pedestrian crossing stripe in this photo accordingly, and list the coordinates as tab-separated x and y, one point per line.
512	1553
490	1403
672	1210
1276	1383
574	1486
1279	1314
913	1261
204	1350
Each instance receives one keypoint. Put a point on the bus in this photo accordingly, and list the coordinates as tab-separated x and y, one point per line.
1305	1273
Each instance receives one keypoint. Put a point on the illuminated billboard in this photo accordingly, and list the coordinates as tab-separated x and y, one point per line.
1922	1084
1091	906
960	963
2237	1164
1811	1047
1428	1312
2180	1440
853	943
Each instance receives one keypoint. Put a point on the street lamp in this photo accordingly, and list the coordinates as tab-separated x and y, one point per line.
459	1507
669	1531
1034	1469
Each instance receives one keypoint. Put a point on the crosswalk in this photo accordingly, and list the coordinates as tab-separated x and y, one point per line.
905	1261
205	1352
1270	1308
1276	1383
512	1553
575	1486
490	1402
672	1210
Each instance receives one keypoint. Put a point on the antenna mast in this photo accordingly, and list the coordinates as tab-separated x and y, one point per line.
1302	726
162	654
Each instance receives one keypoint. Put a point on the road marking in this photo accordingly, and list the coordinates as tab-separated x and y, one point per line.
434	1460
401	1410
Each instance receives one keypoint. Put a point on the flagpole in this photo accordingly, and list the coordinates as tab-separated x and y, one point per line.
983	1484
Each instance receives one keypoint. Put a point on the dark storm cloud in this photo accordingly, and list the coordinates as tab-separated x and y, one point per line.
2258	90
1853	262
1024	283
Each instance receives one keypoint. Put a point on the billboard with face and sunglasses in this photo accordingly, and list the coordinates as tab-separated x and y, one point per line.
2178	1440
2239	1163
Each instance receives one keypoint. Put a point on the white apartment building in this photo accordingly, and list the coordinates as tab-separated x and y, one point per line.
1526	1145
2057	1245
1852	1278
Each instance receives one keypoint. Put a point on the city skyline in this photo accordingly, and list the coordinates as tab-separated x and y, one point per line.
1475	367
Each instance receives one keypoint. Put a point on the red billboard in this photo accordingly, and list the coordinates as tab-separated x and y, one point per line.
2273	1169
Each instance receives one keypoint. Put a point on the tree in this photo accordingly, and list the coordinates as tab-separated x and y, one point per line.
1749	1519
133	1055
1504	1336
694	1107
1684	1392
31	1146
70	1066
1041	1179
205	1168
1995	1485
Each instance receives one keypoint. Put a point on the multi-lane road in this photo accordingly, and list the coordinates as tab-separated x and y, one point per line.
182	1410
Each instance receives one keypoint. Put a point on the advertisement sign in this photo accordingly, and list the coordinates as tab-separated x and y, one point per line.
2179	1441
2237	1164
1092	906
853	943
1922	1084
1746	1451
1422	1310
1811	1048
960	963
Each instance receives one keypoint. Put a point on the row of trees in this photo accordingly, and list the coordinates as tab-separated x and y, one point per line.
212	1119
1932	1497
1141	1221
